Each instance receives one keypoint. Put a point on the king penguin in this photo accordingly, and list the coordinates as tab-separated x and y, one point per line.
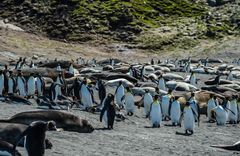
31	88
175	112
233	110
129	102
166	100
161	83
119	93
220	114
147	101
1	82
108	111
193	79
40	84
212	103
21	84
101	91
155	113
86	95
11	83
188	119
54	92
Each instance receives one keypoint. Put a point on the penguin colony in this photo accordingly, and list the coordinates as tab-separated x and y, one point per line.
109	88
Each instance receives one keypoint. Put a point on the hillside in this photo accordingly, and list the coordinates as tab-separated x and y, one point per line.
142	24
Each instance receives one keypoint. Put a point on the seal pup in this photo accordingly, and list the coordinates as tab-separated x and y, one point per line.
234	147
7	149
155	112
108	111
64	120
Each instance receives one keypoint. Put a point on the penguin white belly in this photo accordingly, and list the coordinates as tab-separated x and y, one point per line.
5	153
210	106
233	116
161	84
86	97
1	84
175	112
156	114
39	87
193	80
31	86
58	86
10	85
129	103
147	100
165	105
189	121
120	93
21	87
105	118
238	105
193	105
221	115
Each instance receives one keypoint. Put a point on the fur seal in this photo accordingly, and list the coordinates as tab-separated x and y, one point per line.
66	121
234	147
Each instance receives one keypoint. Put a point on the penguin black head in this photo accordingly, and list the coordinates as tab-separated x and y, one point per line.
192	94
155	97
85	80
6	66
187	103
1	72
31	74
146	91
169	91
127	88
157	89
51	126
211	95
120	83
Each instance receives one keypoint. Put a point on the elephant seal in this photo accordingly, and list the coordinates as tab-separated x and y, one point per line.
8	149
66	121
234	147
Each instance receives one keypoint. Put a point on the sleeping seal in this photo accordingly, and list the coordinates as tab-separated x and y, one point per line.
66	121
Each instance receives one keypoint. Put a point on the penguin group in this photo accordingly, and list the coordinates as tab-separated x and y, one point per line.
111	89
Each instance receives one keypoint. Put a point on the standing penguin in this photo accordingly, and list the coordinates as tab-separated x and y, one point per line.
220	114
86	95
175	112
147	101
161	83
1	82
40	84
101	91
166	100
54	91
11	83
31	85
119	93
238	107
108	111
21	84
188	119
60	80
212	102
6	76
230	76
34	137
129	102
193	79
142	73
233	110
132	71
59	69
195	107
155	113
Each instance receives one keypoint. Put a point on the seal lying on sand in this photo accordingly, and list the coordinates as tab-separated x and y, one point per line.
8	149
66	121
234	147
